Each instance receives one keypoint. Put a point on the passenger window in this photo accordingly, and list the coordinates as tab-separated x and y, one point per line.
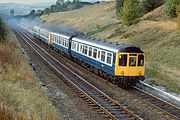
74	46
95	53
123	60
53	38
103	56
67	43
99	54
63	42
109	57
59	40
140	60
85	50
132	61
90	51
81	48
78	47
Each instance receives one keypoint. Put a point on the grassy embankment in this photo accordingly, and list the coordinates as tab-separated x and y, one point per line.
155	34
21	96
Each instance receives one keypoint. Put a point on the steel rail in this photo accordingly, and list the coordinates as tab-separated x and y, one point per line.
159	104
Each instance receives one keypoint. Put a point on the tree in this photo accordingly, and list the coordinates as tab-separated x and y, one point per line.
150	5
32	14
170	7
39	13
46	11
131	10
119	5
3	31
59	2
74	1
12	13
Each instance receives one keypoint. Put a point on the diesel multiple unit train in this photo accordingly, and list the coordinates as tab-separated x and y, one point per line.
123	65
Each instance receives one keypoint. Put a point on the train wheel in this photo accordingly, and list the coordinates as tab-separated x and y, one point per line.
123	83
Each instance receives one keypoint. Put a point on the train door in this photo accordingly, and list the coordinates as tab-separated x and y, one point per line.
49	38
132	65
121	64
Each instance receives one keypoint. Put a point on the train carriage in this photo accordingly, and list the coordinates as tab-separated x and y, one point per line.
94	54
121	63
41	33
60	42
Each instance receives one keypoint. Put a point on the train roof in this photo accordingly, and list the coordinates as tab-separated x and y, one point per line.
60	30
54	32
107	45
61	35
104	44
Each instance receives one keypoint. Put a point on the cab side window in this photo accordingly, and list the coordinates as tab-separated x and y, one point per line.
132	61
123	60
140	60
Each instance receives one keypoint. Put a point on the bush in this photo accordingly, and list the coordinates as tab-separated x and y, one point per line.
3	31
170	7
119	5
150	5
131	10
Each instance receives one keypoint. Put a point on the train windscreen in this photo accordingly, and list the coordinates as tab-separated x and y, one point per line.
123	60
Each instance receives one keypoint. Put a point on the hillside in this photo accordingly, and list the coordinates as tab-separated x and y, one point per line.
156	34
86	18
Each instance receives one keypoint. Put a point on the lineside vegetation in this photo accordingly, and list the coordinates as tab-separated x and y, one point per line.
21	96
3	31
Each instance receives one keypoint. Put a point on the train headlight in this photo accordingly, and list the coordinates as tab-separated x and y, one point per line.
140	73
122	72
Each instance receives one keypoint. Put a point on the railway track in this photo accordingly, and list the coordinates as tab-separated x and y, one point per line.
168	110
104	105
162	106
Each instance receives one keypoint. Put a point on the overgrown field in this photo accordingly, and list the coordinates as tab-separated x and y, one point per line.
155	33
21	96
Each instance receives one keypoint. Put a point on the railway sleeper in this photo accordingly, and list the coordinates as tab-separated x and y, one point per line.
96	107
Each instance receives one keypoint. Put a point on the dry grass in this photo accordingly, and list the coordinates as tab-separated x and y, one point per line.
21	96
86	18
168	25
156	34
178	21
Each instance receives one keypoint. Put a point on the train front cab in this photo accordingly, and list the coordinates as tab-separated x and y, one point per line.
130	67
